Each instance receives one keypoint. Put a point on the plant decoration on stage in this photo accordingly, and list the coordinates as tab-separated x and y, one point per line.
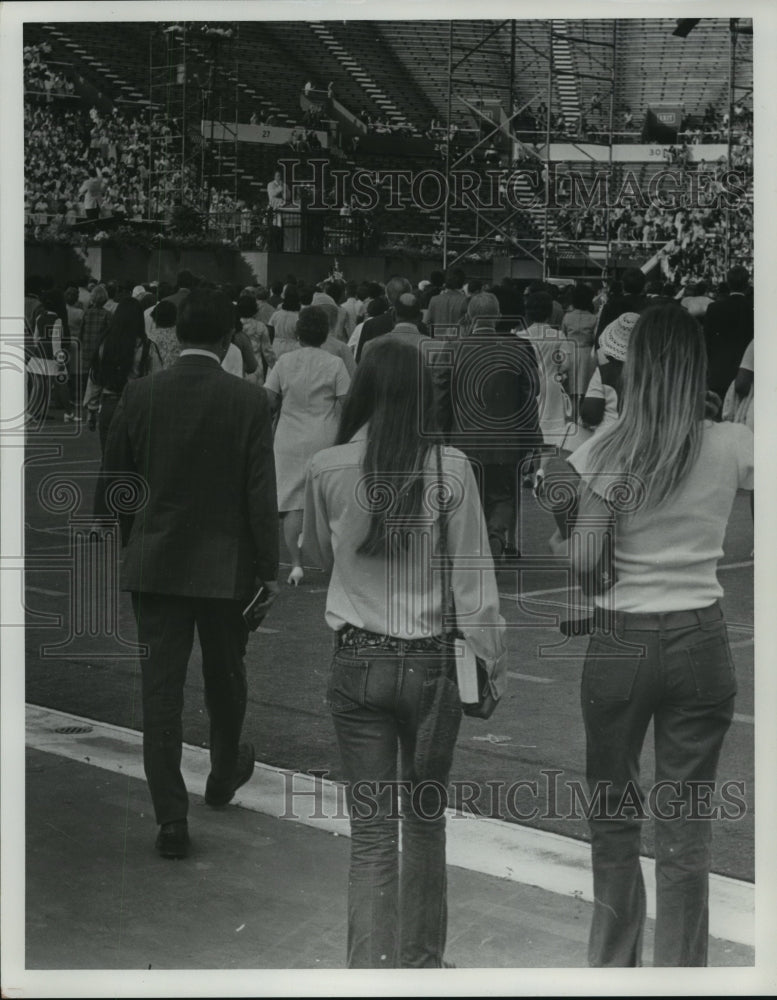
127	235
336	274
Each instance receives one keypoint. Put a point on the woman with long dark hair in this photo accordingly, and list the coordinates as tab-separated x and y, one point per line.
373	517
125	353
664	478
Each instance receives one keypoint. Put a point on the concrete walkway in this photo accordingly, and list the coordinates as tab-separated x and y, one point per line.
260	892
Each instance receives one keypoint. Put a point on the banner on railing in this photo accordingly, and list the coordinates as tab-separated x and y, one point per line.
268	135
639	153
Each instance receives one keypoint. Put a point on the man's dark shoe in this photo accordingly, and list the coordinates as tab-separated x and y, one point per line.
173	839
218	793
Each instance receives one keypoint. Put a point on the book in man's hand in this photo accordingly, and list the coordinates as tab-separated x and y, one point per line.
256	609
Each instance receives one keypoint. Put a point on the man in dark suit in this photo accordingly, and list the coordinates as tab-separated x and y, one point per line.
196	553
488	409
728	329
385	323
185	282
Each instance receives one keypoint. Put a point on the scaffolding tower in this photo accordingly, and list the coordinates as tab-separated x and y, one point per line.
561	107
172	101
513	227
192	78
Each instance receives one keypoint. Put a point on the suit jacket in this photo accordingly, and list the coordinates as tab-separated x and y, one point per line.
376	327
202	441
177	297
446	312
488	404
728	329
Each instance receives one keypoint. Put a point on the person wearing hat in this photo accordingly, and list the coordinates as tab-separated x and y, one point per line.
599	408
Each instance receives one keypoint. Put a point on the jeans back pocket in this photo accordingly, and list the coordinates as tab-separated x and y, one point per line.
712	667
608	673
347	685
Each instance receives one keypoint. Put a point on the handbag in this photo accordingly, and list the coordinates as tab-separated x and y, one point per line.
487	701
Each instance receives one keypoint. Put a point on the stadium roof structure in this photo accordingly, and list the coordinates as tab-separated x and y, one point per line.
409	73
652	66
401	69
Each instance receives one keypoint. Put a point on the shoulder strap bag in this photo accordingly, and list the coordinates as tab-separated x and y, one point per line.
486	702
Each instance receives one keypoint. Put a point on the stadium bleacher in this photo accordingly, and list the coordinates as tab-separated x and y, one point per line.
394	75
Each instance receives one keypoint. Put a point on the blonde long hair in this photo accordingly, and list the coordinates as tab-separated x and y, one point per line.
658	436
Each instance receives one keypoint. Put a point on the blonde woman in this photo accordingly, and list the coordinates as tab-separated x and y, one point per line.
664	477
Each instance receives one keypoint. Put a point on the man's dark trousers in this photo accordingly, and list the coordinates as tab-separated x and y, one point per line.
499	499
166	626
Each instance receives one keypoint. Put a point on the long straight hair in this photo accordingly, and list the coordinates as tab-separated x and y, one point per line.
392	395
658	436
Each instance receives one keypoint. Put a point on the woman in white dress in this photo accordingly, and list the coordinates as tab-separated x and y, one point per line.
284	324
308	385
554	361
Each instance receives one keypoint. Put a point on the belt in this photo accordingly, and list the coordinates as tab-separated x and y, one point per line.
351	636
624	621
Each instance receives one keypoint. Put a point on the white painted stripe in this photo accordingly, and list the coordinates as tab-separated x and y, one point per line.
491	846
530	677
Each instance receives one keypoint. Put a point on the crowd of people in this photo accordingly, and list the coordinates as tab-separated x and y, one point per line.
83	165
39	75
373	425
329	407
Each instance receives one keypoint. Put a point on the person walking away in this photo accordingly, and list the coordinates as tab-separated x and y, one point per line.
47	363
372	519
664	477
125	354
258	336
205	540
578	325
284	324
308	387
489	410
728	329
